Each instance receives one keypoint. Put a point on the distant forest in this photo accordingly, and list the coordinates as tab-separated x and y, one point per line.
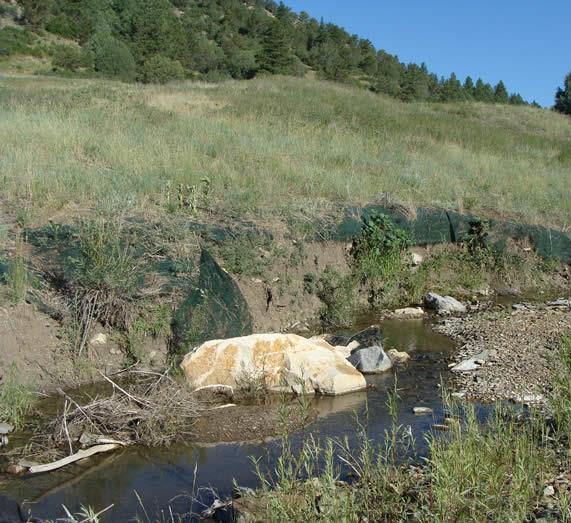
161	40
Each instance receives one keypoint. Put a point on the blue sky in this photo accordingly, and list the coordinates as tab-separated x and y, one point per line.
526	43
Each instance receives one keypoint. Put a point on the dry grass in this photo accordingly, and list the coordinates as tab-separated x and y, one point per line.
273	146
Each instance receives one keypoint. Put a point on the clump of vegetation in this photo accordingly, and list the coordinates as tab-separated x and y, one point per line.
187	198
161	70
337	293
493	470
247	255
18	278
563	97
561	397
106	277
16	400
378	258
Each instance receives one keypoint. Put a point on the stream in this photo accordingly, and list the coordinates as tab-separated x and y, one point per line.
165	477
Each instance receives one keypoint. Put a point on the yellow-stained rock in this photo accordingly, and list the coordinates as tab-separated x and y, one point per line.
281	361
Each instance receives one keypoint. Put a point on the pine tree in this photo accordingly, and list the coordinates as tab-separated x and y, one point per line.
501	93
563	97
275	56
469	87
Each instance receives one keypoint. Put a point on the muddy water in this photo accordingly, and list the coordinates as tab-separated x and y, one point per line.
163	478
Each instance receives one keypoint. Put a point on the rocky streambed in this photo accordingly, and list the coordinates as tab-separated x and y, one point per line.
508	353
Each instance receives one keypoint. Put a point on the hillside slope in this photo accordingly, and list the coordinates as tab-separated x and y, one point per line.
273	146
154	41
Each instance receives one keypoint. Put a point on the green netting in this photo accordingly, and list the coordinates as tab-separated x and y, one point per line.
433	226
215	309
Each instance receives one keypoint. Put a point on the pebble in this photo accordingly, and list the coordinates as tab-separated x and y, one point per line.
422	410
6	428
99	339
549	492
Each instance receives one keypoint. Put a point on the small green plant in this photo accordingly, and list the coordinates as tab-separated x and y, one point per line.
560	398
187	198
18	278
16	400
337	293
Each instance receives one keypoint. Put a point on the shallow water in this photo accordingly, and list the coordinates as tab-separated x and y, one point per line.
163	478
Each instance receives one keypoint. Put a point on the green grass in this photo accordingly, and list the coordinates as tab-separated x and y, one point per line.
274	146
16	400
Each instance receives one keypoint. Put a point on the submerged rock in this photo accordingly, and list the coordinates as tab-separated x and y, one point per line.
399	358
371	360
277	362
369	337
410	312
443	304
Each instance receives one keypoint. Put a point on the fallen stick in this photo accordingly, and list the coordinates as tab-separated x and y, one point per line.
141	402
82	454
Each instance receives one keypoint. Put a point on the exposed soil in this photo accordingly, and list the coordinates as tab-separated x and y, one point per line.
34	344
517	350
282	300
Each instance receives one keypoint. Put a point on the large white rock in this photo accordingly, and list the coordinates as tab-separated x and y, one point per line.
282	361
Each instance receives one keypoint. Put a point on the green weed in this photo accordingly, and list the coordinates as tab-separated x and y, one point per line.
16	400
337	294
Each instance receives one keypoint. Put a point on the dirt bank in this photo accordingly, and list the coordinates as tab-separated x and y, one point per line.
514	351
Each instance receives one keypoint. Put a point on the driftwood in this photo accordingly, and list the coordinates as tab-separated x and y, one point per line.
82	454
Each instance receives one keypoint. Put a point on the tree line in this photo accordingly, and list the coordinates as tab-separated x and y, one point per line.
162	40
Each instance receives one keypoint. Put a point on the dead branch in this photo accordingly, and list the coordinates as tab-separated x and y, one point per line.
82	454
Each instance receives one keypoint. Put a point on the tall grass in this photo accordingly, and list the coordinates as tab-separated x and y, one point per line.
16	400
274	146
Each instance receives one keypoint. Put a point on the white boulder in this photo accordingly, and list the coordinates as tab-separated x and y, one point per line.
282	361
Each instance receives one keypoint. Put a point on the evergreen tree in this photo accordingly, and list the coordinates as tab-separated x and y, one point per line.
275	56
501	93
451	90
469	87
110	56
483	92
563	97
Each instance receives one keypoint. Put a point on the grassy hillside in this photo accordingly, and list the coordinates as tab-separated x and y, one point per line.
272	146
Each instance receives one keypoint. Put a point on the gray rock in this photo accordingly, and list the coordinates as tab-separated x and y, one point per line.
443	304
371	360
466	366
6	428
561	302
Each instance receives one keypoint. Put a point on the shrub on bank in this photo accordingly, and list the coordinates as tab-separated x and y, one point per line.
161	70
